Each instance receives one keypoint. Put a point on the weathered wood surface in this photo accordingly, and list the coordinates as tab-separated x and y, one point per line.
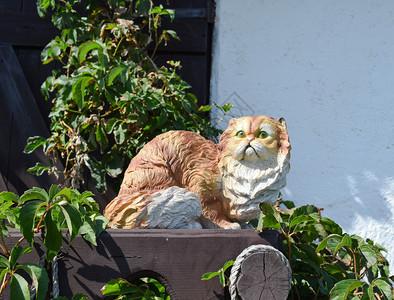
180	256
260	272
20	118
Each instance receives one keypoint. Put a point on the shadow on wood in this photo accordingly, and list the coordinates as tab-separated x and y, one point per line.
180	257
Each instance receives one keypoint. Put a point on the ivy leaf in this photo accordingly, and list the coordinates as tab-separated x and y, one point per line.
33	143
120	134
87	231
101	137
369	255
324	242
209	275
98	174
8	197
228	265
113	162
78	90
270	217
113	73
4	262
73	220
16	253
342	289
85	48
383	286
118	287
53	191
345	242
53	236
19	288
35	194
39	277
143	7
26	218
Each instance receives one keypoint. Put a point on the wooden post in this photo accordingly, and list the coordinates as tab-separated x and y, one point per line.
178	258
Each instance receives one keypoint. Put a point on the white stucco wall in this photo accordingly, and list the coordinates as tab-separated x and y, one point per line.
328	68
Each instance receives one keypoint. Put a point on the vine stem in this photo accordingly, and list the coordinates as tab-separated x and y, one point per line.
6	279
3	245
37	229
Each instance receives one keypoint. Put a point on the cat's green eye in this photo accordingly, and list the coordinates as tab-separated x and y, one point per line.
263	135
241	134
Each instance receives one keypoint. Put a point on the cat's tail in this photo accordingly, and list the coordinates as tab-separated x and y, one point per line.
173	207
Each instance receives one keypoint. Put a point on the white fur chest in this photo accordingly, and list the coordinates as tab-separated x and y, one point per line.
245	184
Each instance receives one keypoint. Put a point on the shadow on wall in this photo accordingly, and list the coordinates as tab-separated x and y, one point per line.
373	196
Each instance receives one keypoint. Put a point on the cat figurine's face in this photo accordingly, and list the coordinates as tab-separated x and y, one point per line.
254	161
256	138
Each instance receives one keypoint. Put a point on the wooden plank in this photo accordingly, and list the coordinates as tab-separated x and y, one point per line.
25	28
20	119
7	5
194	71
180	256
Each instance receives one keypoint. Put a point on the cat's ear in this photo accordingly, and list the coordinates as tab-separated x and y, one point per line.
232	122
282	121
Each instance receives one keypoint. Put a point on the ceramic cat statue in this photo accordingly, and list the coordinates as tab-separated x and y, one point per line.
181	180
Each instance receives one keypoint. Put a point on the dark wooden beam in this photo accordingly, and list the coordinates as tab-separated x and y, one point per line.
179	256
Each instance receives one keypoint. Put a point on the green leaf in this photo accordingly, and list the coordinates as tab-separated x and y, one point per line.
384	286
53	236
271	217
226	107
42	7
4	263
367	292
120	134
323	243
111	125
78	90
53	191
222	279
87	231
35	194
342	289
369	255
330	226
26	218
113	163
101	137
143	7
79	297
8	197
209	275
85	48
98	174
113	73
299	219
171	33
101	224
345	242
19	288
16	253
33	143
227	265
103	58
39	277
73	220
38	169
118	287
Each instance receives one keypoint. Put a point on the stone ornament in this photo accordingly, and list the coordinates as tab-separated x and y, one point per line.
181	180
